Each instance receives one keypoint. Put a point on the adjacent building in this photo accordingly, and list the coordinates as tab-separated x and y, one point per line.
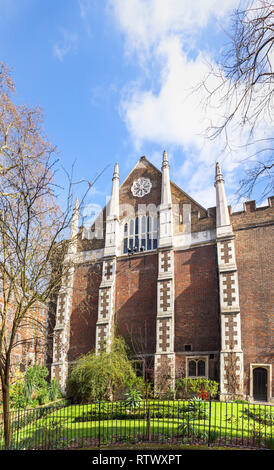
31	339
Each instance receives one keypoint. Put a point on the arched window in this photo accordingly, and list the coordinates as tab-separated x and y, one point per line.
196	367
140	234
192	368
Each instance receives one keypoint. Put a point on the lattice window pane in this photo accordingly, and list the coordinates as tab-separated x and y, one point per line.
192	368
201	368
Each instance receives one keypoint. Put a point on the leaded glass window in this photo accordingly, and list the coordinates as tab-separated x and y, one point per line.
141	234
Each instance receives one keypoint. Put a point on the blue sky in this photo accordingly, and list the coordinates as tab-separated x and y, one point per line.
115	79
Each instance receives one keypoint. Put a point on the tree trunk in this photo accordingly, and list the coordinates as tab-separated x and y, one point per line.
6	410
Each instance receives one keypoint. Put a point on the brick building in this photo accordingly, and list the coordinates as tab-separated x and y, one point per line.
189	288
30	342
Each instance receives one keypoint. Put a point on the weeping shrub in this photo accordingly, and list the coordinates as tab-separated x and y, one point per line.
104	376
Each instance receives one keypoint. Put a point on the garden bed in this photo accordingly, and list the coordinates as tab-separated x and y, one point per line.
164	422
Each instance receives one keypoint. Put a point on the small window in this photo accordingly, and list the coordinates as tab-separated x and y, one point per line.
187	347
196	367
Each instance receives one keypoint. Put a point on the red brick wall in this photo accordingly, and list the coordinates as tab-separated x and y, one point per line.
196	299
29	346
87	279
255	260
136	301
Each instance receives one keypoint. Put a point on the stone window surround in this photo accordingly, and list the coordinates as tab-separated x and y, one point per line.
141	233
197	358
140	361
268	368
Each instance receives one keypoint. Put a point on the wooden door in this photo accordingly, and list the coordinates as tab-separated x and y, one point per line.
260	384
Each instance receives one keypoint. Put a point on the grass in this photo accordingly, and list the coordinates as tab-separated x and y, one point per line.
78	425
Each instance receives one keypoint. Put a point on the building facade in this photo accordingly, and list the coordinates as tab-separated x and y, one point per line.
189	288
30	344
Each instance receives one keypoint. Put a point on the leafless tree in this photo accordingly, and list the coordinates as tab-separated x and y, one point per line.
34	241
21	136
242	84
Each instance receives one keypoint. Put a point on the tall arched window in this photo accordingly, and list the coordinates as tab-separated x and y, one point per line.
140	234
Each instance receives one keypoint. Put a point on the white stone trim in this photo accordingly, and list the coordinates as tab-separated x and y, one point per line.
169	273
225	329
231	265
165	226
223	382
170	326
107	285
183	241
157	361
62	328
170	309
225	307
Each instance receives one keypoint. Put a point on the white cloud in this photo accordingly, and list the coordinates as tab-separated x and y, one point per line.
68	43
164	31
168	34
145	22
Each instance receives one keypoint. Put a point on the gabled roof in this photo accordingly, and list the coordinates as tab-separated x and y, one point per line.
144	159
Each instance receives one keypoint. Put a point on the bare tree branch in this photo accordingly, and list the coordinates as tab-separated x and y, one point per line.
243	85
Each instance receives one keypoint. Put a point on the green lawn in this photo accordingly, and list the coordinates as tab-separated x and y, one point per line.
79	425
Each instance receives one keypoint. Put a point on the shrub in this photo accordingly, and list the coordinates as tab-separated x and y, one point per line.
133	398
201	388
35	382
107	375
197	407
54	391
32	389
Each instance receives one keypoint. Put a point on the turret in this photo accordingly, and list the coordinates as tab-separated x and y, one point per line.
166	191
112	221
166	218
74	227
223	225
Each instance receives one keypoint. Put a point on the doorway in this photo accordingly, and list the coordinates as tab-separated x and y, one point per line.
259	384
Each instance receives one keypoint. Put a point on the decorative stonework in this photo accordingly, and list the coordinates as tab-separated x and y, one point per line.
61	307
59	369
108	270
231	355
165	357
101	337
229	288
164	372
226	251
231	332
166	262
165	295
106	306
165	334
141	187
231	375
104	303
